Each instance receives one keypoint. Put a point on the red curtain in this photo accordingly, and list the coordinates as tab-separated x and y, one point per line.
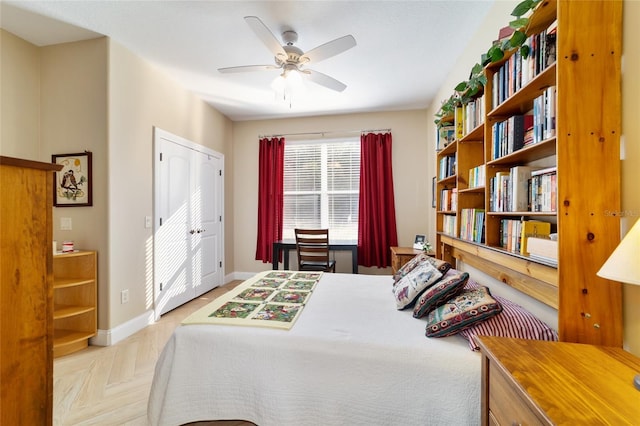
270	196
377	213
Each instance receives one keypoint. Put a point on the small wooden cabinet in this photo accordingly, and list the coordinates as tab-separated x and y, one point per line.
75	301
401	255
536	382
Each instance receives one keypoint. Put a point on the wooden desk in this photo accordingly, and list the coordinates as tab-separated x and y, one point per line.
401	255
287	245
542	383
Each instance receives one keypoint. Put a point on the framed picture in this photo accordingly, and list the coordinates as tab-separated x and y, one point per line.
72	185
418	242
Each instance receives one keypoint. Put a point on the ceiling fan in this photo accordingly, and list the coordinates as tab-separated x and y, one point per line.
291	58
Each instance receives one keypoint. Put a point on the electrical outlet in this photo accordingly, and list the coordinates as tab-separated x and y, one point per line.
124	296
147	222
65	224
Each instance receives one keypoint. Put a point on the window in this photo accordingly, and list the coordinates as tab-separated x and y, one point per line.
321	187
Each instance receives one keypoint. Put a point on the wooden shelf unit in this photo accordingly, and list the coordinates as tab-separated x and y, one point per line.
75	301
586	153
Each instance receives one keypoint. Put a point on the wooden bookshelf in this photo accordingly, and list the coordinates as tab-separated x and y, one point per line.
586	153
75	301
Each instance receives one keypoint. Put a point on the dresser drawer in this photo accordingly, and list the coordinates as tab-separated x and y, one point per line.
506	406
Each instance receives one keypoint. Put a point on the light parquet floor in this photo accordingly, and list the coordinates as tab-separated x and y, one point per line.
110	385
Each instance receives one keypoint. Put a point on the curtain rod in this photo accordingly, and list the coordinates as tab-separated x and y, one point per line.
324	133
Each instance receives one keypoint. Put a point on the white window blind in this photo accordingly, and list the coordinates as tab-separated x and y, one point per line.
321	187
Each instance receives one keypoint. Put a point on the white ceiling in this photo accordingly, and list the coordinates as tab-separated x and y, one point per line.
404	48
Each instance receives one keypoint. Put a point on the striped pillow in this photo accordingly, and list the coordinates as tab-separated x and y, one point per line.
514	321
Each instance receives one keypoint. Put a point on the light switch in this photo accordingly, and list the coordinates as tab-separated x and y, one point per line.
65	223
147	221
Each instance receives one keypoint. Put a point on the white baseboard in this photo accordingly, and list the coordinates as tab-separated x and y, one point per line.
121	332
238	276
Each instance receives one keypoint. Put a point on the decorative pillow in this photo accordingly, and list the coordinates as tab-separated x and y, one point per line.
451	284
462	311
409	266
407	290
514	321
441	265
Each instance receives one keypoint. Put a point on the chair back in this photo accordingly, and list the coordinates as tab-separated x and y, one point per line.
312	246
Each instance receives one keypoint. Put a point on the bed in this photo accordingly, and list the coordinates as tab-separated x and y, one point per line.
351	358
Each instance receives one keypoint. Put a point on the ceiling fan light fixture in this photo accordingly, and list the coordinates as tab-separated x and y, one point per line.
288	84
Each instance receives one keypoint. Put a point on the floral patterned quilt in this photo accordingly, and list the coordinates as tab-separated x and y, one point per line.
269	299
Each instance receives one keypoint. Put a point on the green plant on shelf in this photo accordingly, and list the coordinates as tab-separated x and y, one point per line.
466	91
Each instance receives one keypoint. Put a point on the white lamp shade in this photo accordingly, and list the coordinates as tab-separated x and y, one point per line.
624	263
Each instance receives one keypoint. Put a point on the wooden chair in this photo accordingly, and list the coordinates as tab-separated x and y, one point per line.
312	246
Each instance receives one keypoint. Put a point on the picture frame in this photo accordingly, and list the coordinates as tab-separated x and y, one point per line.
72	186
419	241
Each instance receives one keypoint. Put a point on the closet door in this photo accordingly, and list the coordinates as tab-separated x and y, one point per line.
188	225
206	223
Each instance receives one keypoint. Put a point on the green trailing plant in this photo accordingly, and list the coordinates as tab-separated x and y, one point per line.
467	90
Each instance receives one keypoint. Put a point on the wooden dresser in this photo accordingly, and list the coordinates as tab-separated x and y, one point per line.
26	304
533	382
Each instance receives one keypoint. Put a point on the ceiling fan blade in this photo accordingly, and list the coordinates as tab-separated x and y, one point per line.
329	49
248	68
324	80
265	35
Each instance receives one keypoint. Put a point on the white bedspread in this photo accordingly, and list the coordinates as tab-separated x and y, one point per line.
351	359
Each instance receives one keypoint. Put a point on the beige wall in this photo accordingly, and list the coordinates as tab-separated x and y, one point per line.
412	174
73	116
141	97
95	95
497	18
19	98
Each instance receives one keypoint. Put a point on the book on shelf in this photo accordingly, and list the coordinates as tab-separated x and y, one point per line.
510	234
543	249
472	225
519	178
446	135
458	122
449	225
533	229
448	199
499	197
517	71
447	166
508	136
477	176
544	190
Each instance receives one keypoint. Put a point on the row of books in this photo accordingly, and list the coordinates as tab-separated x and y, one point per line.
523	188
477	176
517	71
449	199
468	117
509	135
544	190
544	116
449	225
447	167
515	234
472	225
